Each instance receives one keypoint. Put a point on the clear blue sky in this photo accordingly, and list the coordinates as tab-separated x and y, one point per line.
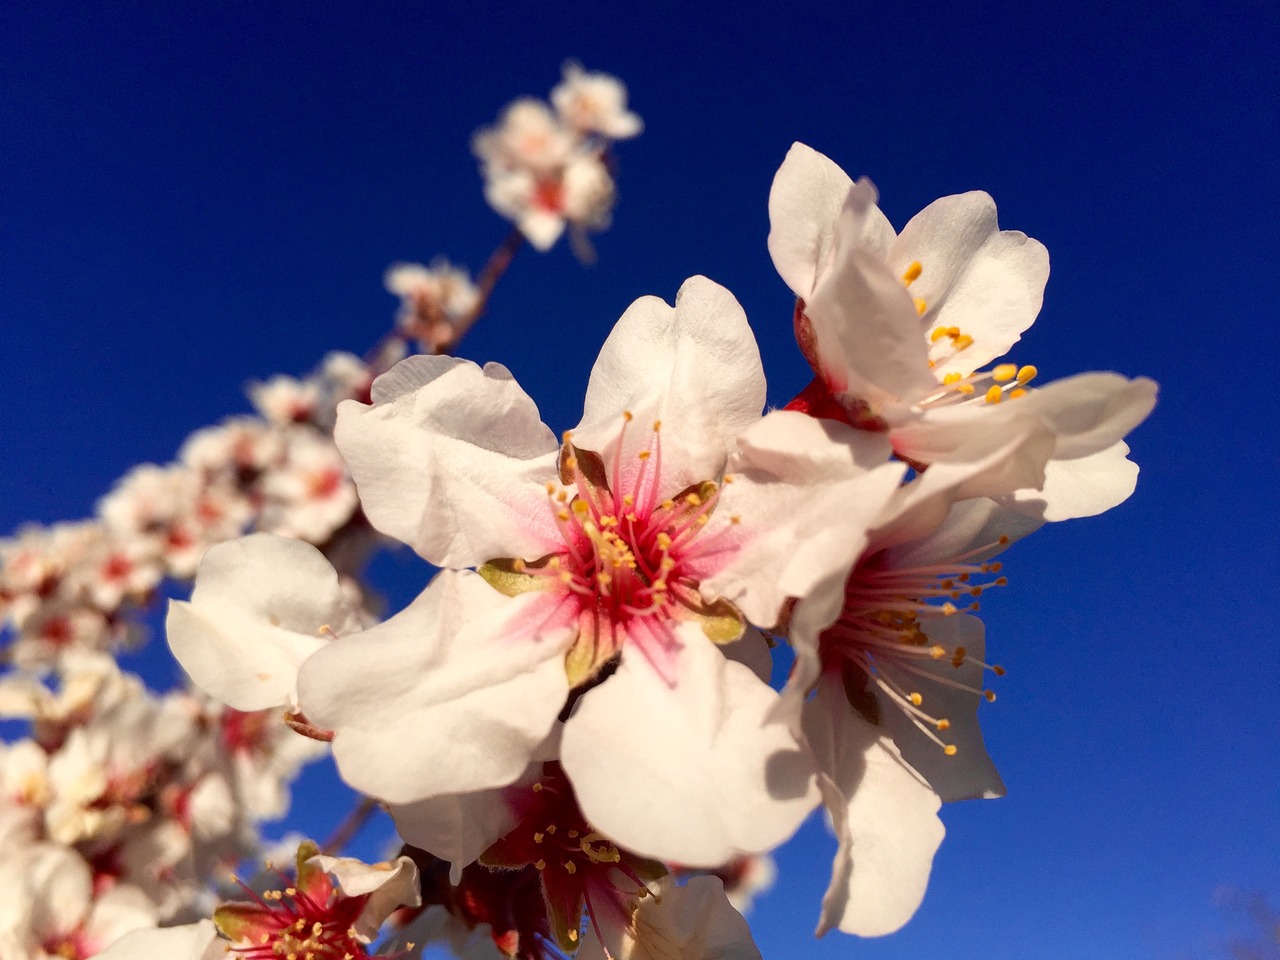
192	199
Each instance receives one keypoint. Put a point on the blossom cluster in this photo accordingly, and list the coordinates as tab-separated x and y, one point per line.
546	167
74	587
655	642
582	693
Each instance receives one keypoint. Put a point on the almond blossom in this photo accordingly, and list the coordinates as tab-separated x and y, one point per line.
670	516
900	328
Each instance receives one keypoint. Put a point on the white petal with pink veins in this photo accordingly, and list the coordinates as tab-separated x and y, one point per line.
692	771
453	694
451	459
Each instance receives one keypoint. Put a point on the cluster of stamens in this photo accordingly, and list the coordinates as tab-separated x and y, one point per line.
883	630
300	928
1005	381
626	548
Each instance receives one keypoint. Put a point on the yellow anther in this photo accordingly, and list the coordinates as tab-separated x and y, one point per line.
1006	371
704	520
644	455
562	496
551	828
580	507
537	788
735	519
663	541
570	867
517	565
573	934
539	837
937	652
937	333
693	500
668	504
950	378
1027	373
554	563
567	436
998	670
1002	581
943	724
728	478
912	273
551	487
948	609
990	695
573	834
628	500
921	306
963	342
657	425
626	415
965	388
949	749
562	515
1017	392
316	928
915	698
571	463
291	891
994	395
659	586
540	865
1004	540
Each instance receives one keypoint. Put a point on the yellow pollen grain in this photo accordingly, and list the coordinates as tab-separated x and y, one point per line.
664	541
949	749
1006	371
921	306
994	395
1027	373
644	455
912	273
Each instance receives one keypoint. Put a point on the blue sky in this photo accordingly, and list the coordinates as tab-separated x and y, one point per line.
192	200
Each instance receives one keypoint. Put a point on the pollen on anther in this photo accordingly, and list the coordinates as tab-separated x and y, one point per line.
994	395
657	425
1027	373
644	455
921	306
1005	371
1017	392
963	342
626	415
913	271
540	865
570	867
915	699
949	749
950	378
990	695
943	724
551	487
539	837
998	670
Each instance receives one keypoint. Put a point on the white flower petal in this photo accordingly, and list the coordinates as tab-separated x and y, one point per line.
885	817
808	193
691	773
451	460
986	281
695	921
255	615
456	827
1083	487
192	941
1090	411
806	491
451	695
389	885
869	336
694	366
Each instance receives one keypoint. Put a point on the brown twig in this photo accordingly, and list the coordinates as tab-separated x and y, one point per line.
350	826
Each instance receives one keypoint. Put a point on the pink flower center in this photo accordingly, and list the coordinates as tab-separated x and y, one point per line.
632	559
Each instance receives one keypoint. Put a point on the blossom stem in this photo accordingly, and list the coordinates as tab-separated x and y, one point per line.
351	824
